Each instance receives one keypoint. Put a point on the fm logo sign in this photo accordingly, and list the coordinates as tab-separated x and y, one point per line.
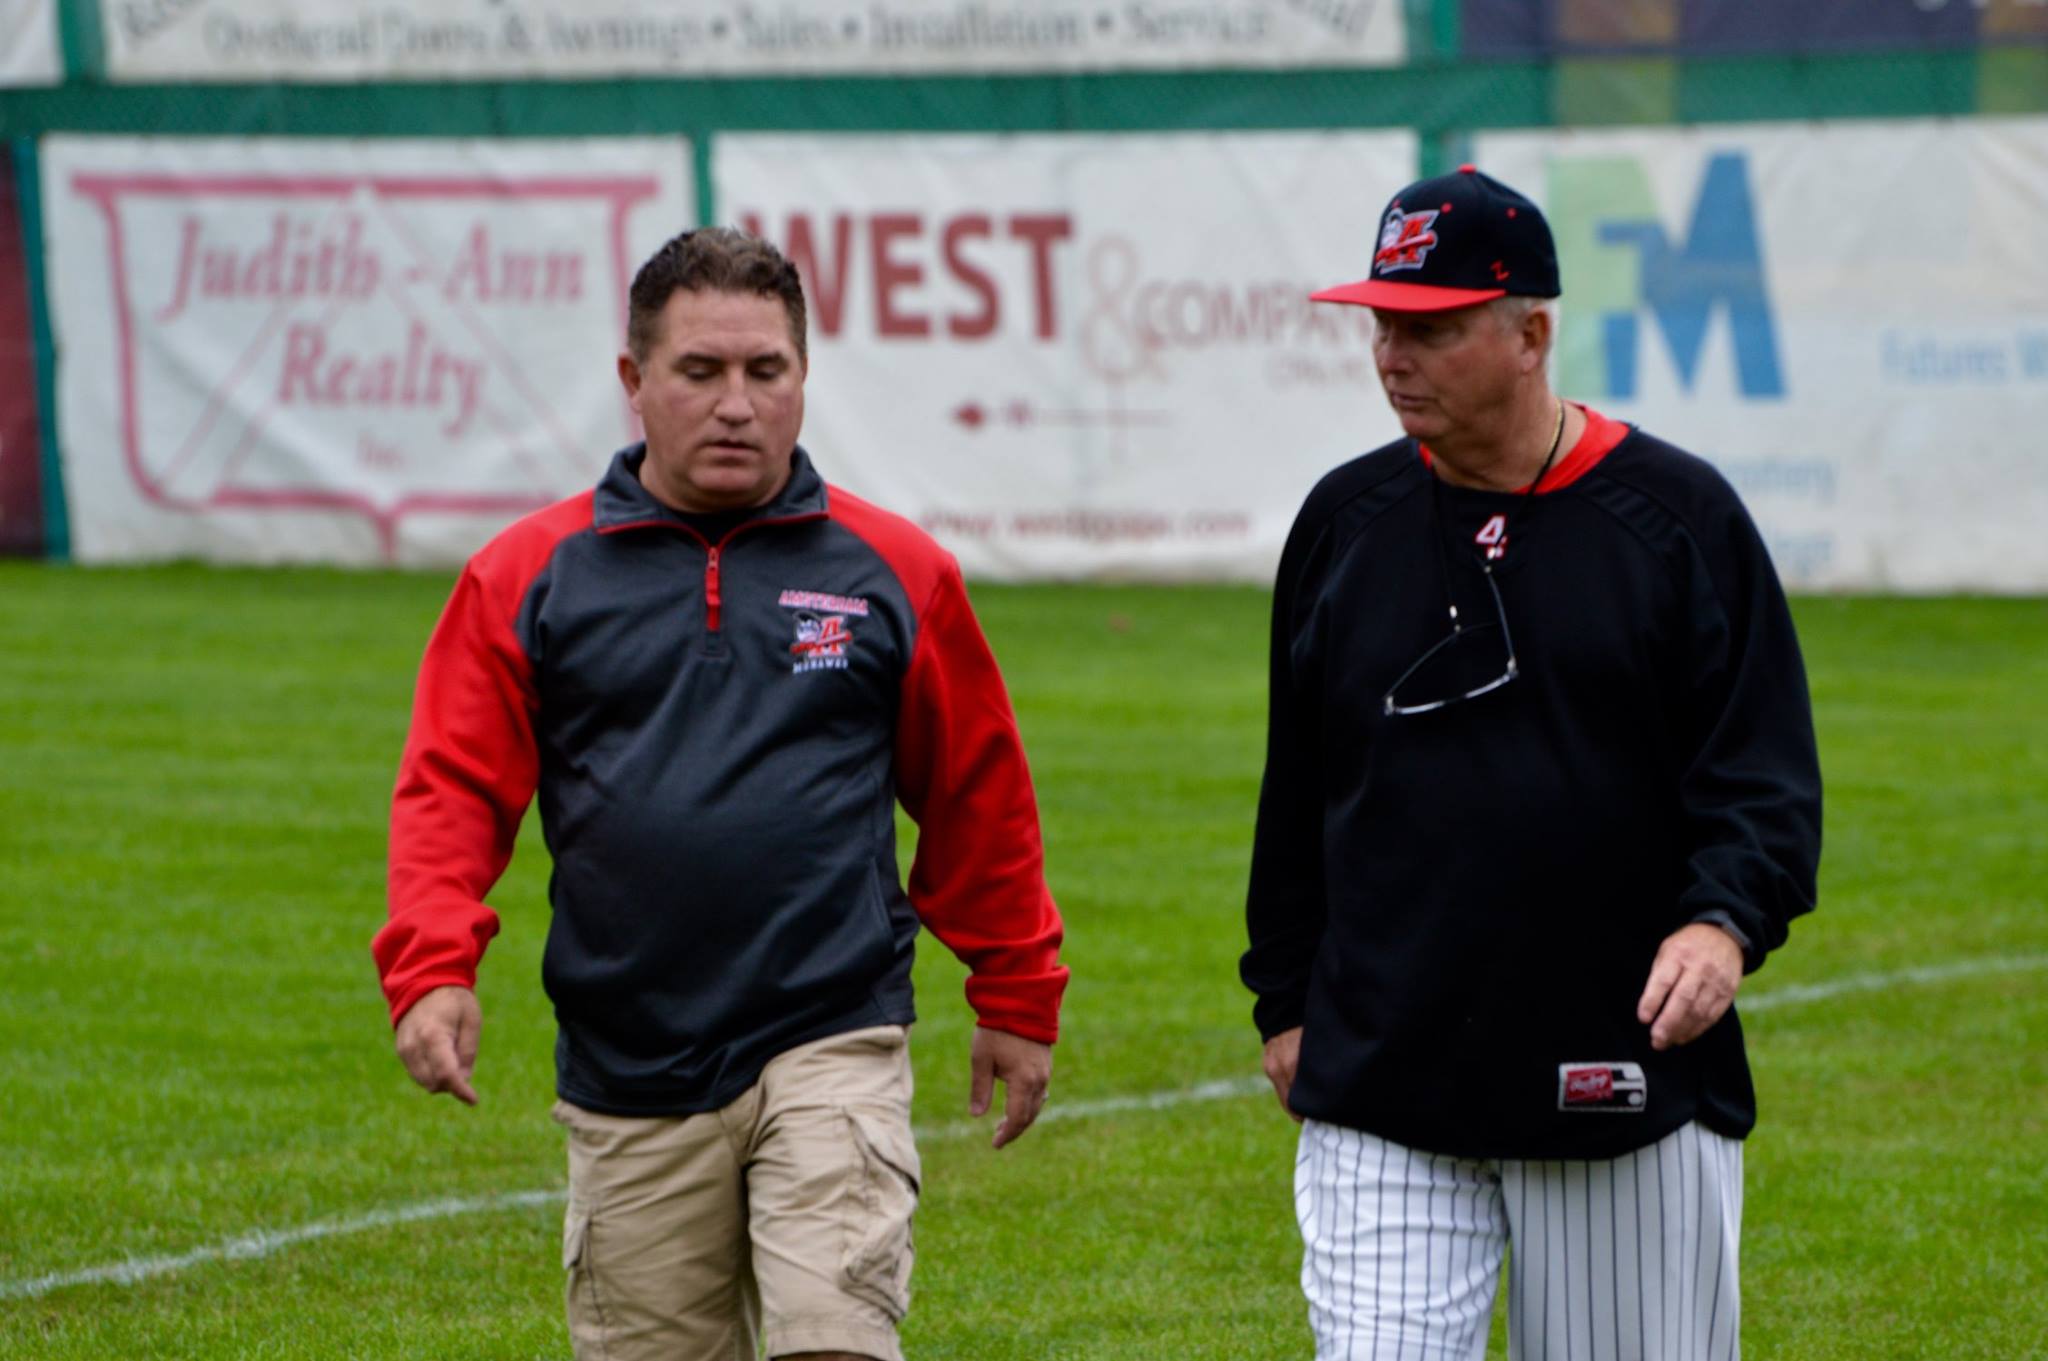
1625	264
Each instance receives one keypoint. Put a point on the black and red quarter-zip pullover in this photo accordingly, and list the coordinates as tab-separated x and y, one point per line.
718	732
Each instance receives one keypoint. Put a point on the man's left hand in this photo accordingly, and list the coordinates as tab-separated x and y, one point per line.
1697	970
1025	1067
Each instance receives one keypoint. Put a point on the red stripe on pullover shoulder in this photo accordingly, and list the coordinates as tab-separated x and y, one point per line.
978	881
1595	442
470	766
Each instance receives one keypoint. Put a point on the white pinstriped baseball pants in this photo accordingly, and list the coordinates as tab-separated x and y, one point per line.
1624	1259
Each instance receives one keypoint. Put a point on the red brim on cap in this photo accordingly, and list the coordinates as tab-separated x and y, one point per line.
1393	297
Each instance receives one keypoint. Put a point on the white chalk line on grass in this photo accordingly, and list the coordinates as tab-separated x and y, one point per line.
265	1242
1220	1090
1874	982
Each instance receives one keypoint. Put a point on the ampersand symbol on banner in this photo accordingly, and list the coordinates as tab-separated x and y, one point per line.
1109	342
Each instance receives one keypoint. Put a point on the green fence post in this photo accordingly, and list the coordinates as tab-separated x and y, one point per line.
28	198
1445	36
1433	37
83	40
700	158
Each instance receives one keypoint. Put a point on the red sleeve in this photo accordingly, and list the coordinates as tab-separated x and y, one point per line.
468	773
978	881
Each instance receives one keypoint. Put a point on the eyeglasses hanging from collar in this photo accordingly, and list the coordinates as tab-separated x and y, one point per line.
1462	635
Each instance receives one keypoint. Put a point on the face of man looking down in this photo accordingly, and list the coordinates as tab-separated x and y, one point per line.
1455	375
721	394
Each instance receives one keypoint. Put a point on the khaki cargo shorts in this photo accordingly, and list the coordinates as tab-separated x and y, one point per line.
784	1218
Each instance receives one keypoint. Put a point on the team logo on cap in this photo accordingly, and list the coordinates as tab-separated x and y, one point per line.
1405	240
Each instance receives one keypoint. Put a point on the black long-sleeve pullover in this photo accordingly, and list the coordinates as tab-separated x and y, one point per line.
1455	904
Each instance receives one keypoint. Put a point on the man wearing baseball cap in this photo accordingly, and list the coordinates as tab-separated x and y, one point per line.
1540	789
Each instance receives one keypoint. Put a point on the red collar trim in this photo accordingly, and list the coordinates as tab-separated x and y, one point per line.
1596	442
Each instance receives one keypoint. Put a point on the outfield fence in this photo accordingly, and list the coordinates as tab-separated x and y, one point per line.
343	283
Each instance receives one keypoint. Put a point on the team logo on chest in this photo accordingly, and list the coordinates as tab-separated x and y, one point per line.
823	632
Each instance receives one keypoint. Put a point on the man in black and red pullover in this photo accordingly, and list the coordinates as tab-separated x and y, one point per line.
720	674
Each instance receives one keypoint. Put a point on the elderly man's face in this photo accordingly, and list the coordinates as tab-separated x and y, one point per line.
721	393
1452	375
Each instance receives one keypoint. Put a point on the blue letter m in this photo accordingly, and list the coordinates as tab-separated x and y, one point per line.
1720	263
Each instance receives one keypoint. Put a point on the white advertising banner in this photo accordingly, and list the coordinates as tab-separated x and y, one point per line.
1850	320
347	352
359	40
1083	355
29	51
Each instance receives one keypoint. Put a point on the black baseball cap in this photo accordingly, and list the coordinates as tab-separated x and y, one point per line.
1453	241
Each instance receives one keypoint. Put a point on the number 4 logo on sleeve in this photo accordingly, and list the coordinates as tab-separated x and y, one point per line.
1493	537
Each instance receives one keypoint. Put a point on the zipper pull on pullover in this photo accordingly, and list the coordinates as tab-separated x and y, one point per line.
711	601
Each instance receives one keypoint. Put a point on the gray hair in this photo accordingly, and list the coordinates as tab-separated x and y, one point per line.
1511	311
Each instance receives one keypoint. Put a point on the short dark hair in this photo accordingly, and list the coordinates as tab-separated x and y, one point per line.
716	260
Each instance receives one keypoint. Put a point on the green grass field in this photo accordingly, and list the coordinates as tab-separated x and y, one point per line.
194	767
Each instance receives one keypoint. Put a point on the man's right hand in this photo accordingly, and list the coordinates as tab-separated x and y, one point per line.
1283	1055
437	1040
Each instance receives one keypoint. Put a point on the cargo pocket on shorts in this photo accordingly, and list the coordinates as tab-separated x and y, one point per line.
575	1230
585	1308
880	1249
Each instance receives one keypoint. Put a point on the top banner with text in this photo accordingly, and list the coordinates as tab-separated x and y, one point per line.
1081	355
261	40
